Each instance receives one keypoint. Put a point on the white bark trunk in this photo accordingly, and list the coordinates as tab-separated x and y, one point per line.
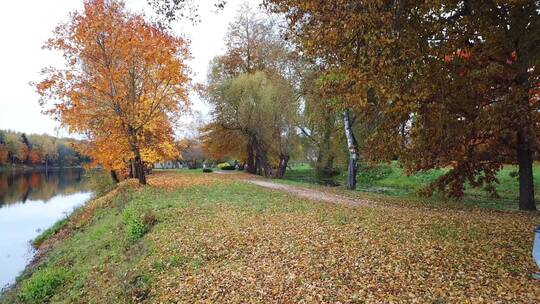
353	150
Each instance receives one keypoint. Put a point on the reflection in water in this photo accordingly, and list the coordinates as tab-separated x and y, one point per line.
30	203
16	187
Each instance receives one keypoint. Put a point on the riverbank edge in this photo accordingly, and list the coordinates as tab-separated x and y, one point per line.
78	219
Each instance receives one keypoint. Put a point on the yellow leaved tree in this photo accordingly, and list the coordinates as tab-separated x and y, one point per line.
123	85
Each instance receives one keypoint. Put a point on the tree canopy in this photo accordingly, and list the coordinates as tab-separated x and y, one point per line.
446	83
123	86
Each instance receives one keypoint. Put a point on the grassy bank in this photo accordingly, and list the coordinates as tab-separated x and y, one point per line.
191	237
390	180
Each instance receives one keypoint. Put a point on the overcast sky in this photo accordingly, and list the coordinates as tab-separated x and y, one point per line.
26	24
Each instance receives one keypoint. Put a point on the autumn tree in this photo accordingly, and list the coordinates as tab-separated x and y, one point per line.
4	153
328	34
448	83
192	152
220	142
319	123
252	44
45	146
123	83
15	147
253	73
259	110
482	112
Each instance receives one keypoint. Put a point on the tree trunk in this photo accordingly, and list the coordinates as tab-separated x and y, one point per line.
250	162
131	169
353	151
526	182
282	168
263	166
524	150
114	177
325	172
139	168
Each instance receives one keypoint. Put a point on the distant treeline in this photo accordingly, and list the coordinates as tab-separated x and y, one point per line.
38	150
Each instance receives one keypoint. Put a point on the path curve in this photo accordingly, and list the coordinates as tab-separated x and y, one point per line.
315	195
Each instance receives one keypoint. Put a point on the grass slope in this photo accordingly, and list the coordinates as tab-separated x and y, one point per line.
190	237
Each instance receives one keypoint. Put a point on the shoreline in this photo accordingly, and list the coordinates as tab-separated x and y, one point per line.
48	240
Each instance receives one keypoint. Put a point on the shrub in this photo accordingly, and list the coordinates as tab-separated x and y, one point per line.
326	176
221	165
368	174
138	221
99	181
207	170
226	166
42	285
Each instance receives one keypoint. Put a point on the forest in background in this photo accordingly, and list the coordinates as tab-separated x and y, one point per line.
33	150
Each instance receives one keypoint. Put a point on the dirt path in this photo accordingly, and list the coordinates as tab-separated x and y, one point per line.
315	195
225	172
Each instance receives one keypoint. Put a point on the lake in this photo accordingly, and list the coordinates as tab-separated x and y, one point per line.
31	202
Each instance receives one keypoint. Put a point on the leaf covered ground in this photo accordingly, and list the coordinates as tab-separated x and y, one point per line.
216	239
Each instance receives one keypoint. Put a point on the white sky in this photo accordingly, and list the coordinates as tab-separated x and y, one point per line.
26	24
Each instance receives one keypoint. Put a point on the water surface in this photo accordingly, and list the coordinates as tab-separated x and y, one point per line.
29	203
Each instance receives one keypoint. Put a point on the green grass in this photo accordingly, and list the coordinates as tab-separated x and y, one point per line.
49	232
138	221
390	179
42	285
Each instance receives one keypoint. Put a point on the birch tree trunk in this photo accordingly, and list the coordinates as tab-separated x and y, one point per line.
353	150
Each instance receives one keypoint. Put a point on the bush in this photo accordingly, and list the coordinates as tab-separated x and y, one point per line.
326	176
207	170
221	165
42	285
226	166
367	174
138	221
99	181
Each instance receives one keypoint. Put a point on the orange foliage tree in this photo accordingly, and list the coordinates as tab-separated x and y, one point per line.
124	83
445	84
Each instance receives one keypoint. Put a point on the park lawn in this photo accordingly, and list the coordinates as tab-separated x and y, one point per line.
388	181
192	237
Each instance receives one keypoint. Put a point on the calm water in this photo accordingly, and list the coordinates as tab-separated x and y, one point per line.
29	203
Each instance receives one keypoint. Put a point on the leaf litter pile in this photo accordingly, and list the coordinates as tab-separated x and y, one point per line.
218	239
